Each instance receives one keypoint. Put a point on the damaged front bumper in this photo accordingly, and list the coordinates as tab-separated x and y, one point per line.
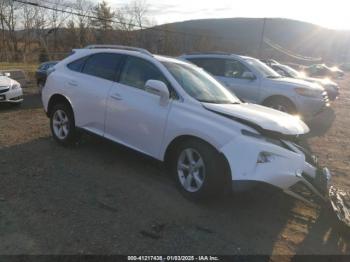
280	163
287	166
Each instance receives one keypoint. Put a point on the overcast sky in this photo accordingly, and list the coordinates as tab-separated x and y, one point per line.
328	13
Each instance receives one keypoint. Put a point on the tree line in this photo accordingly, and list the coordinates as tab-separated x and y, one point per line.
50	29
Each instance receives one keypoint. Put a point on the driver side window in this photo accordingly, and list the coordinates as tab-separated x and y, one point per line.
137	72
235	69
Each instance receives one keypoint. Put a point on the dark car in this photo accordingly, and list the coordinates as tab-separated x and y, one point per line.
41	73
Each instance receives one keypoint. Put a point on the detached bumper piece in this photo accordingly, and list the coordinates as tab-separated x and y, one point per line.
312	190
340	200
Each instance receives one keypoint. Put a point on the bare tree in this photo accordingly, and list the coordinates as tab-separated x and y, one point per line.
84	9
56	19
9	19
28	14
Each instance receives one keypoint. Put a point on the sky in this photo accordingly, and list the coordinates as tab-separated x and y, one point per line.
334	14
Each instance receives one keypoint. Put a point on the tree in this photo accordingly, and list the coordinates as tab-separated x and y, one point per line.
84	8
103	21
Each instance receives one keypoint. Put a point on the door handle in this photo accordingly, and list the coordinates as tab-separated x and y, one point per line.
72	83
116	96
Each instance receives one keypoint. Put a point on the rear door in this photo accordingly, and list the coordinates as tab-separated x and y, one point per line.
90	82
135	117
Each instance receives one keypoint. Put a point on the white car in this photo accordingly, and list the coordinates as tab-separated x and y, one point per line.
255	82
175	112
10	90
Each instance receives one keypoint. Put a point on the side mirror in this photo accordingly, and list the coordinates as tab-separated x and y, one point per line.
248	75
8	74
158	88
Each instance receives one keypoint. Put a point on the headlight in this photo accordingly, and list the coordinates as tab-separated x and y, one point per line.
15	86
265	157
307	92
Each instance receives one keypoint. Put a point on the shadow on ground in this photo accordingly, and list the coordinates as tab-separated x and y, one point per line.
322	123
107	199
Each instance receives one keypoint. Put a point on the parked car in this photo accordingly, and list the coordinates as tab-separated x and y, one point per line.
18	75
331	87
253	81
42	72
10	90
269	61
324	71
175	112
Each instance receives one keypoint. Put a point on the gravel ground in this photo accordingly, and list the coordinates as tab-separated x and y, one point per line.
101	198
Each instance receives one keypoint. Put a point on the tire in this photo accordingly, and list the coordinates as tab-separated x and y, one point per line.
62	125
205	177
281	104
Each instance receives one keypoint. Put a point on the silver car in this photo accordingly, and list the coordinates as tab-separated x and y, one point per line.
253	81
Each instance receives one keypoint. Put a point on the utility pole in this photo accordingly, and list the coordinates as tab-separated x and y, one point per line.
262	38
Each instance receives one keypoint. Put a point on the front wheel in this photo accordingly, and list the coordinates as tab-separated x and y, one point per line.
62	125
281	104
198	169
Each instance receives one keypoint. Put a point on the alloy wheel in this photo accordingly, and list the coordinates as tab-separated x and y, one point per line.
60	124
191	170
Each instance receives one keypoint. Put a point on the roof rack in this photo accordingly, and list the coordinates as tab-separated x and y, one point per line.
209	53
121	47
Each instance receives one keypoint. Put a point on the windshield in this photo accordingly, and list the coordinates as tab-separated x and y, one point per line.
200	85
265	70
292	72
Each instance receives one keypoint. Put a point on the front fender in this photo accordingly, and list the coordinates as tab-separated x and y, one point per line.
242	154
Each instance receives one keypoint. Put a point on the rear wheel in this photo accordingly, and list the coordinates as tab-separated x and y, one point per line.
197	169
62	125
281	104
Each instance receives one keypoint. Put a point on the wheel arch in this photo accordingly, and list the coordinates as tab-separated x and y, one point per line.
182	138
276	97
54	100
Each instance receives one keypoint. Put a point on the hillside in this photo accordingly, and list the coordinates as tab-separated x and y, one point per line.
242	35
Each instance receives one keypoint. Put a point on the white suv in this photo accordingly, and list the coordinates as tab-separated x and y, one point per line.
253	81
174	111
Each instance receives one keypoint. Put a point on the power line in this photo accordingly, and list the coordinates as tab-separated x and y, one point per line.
288	52
36	4
71	12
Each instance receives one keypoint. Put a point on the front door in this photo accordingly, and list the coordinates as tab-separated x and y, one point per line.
135	117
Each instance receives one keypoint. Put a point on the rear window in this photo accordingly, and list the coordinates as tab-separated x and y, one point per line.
77	65
103	65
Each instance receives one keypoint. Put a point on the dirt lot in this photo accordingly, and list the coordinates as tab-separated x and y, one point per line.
100	198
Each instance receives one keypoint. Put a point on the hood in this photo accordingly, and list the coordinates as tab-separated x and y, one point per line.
297	83
264	119
5	81
320	81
